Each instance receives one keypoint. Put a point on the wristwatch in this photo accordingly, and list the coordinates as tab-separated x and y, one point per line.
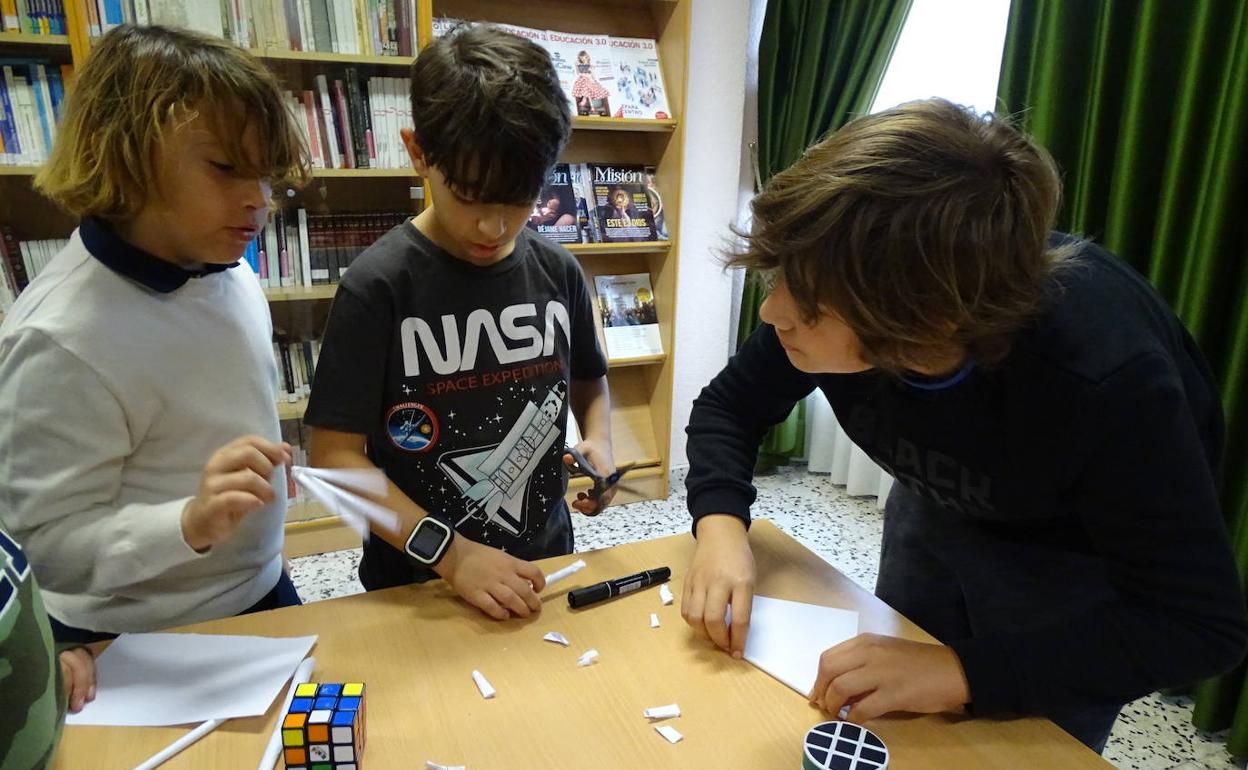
429	540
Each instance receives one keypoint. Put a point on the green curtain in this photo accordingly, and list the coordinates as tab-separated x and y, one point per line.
1144	104
820	63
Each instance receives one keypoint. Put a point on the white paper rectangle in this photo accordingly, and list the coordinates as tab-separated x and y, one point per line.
670	733
174	679
786	638
483	684
665	594
669	711
654	620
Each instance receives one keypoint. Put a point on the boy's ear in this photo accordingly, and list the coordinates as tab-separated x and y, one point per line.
414	151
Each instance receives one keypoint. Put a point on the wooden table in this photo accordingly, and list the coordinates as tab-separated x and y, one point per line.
415	648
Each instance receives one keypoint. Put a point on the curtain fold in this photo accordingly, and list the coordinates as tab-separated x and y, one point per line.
820	63
1144	105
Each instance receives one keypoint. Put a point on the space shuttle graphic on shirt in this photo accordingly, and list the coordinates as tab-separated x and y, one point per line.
494	480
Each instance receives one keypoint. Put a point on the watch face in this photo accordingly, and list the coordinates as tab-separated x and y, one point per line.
428	539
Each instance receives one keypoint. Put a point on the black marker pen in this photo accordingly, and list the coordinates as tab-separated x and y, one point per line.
582	597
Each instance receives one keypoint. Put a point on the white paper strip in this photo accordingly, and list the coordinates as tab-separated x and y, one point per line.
662	712
487	690
654	620
560	574
557	638
356	510
665	594
589	657
431	765
670	733
362	481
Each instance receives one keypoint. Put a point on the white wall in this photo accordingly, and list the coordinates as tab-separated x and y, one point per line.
713	121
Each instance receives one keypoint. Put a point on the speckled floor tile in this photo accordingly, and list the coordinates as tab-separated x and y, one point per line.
1153	733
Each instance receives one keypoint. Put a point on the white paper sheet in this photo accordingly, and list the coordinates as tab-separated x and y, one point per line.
174	679
786	638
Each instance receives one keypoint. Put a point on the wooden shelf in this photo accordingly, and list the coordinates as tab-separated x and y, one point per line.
363	173
623	124
620	363
298	293
19	170
320	57
636	247
27	39
291	410
595	123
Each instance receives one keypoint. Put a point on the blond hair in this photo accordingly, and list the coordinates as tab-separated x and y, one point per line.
924	228
138	86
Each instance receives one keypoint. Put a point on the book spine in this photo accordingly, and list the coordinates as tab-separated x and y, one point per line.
359	119
305	250
343	121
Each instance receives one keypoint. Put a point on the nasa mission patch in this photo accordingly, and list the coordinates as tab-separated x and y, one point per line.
412	427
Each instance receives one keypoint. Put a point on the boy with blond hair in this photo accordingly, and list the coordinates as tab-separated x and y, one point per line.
141	464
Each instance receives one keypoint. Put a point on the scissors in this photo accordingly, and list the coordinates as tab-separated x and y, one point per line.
583	467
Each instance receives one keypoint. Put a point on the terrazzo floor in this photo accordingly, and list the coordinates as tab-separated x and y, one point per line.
1153	733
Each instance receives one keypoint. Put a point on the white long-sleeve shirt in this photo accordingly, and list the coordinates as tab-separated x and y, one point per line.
113	396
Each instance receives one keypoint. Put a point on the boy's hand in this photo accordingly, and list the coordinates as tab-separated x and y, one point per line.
599	455
882	674
78	676
236	482
498	584
722	573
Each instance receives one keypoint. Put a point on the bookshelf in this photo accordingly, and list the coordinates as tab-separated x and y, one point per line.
641	388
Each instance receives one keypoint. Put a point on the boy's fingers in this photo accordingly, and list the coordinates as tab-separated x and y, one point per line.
691	608
713	615
505	596
484	602
742	603
524	590
532	573
247	481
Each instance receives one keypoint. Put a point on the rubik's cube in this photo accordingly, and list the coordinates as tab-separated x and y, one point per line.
324	727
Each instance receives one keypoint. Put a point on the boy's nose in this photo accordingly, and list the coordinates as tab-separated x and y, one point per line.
256	193
492	226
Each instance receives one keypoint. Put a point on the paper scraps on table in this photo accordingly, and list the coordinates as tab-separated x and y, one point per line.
557	638
589	657
483	684
343	492
665	594
669	711
431	765
654	620
670	733
560	574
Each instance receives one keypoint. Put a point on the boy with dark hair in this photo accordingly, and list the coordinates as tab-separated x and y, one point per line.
1054	432
457	342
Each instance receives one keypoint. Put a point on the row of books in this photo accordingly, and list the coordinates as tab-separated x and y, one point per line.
365	27
600	203
353	123
611	77
296	364
296	248
21	261
32	94
33	17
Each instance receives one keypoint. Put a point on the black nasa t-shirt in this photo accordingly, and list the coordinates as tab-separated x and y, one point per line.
459	377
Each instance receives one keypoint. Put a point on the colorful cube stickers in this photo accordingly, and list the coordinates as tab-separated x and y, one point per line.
324	727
